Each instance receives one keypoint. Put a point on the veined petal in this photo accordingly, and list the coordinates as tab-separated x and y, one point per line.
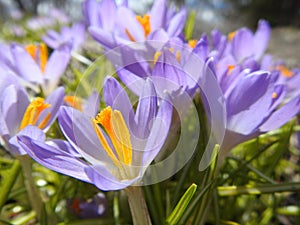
54	158
281	116
56	66
14	102
55	100
105	38
159	131
105	180
91	107
79	131
242	44
158	14
177	23
249	102
146	110
32	132
25	65
131	80
261	38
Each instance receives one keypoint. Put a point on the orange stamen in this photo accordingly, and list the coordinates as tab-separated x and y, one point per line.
230	69
145	22
231	35
74	102
284	71
274	95
39	53
192	43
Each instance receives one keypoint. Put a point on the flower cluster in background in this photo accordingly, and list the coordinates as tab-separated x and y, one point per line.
106	101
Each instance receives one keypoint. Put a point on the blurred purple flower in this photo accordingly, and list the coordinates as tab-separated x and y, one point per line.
74	35
112	25
31	63
118	157
17	112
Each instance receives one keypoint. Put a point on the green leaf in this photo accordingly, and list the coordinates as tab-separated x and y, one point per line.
189	28
9	177
181	206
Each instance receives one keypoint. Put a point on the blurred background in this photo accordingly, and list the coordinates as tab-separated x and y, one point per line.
225	15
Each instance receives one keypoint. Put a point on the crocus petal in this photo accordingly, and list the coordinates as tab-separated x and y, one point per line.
159	131
116	97
248	101
177	23
25	65
30	131
146	109
91	107
56	66
105	38
90	12
159	35
107	14
13	105
62	145
242	44
282	115
54	159
261	38
56	99
131	80
79	131
104	180
158	14
127	21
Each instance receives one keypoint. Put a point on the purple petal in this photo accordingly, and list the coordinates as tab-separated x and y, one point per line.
261	38
242	44
106	39
25	65
282	115
107	11
56	100
56	66
127	21
14	102
146	110
91	12
91	107
249	102
132	81
158	14
159	35
177	23
159	131
54	158
78	130
104	180
32	132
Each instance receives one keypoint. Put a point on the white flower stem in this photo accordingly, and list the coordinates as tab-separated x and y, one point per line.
138	206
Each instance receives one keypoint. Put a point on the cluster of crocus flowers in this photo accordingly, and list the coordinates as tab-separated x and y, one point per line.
113	149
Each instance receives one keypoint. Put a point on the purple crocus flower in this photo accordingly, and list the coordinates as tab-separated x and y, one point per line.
17	112
31	63
117	153
74	34
252	107
112	25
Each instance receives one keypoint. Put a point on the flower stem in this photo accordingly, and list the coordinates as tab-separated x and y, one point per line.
138	206
33	193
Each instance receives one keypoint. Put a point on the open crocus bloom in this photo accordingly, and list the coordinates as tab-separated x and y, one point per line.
32	64
74	34
112	25
17	112
255	105
114	148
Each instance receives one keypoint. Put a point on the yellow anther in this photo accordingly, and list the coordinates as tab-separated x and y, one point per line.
284	71
178	56
74	102
129	35
113	123
39	53
156	56
33	112
192	43
230	69
231	35
145	22
274	95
